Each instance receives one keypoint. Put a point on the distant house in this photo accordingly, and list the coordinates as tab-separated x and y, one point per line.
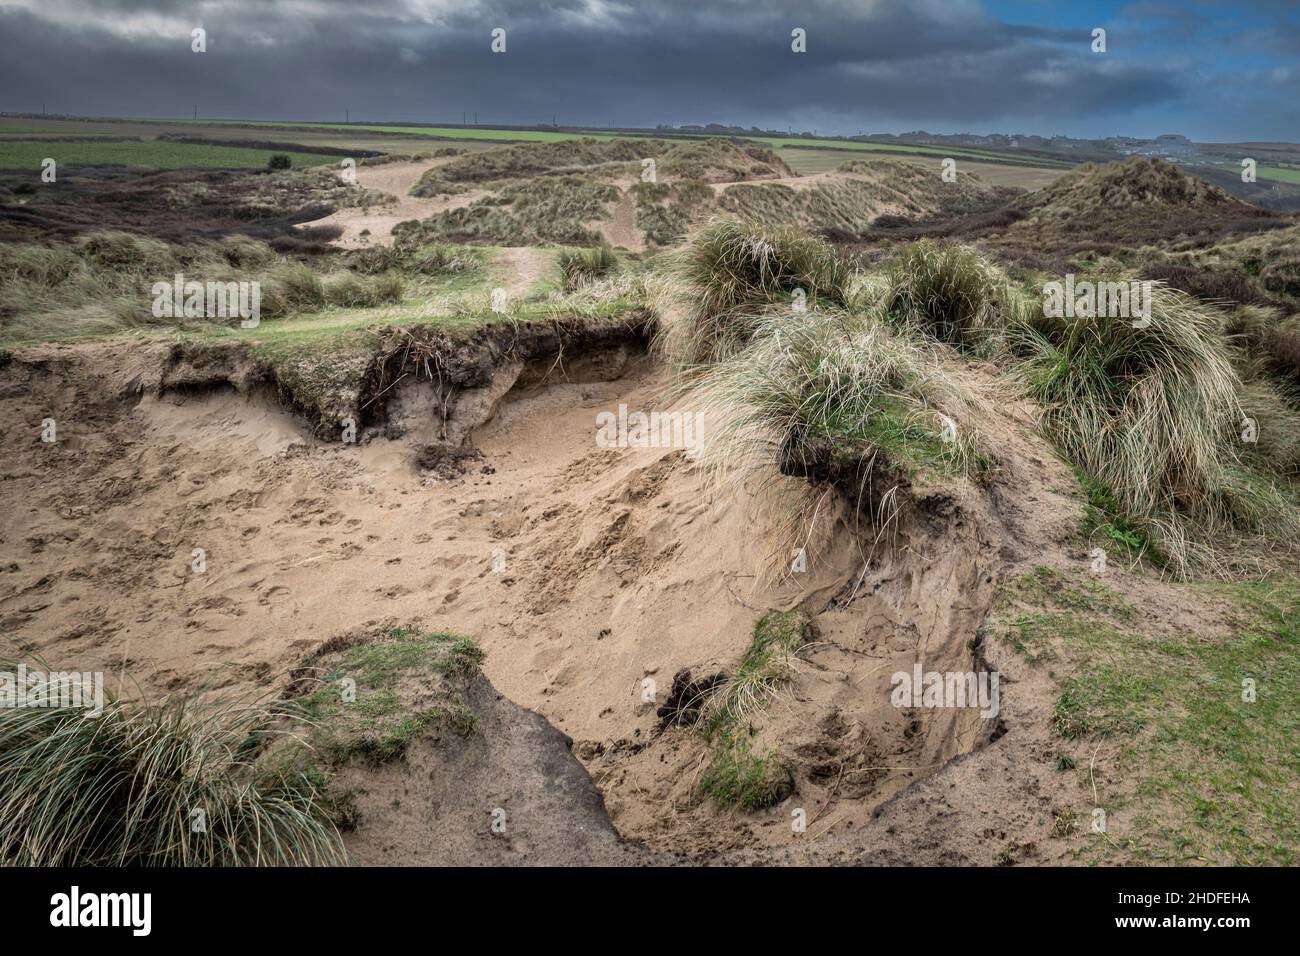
1172	144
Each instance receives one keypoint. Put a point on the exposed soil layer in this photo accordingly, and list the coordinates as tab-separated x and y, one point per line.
583	571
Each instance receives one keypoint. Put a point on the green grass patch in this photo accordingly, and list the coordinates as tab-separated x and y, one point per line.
910	438
1207	721
1101	700
1282	174
1106	525
738	777
403	685
737	774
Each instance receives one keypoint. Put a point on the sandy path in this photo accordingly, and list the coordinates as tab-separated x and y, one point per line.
521	268
395	180
620	229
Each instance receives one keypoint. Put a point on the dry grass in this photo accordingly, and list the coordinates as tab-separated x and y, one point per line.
534	211
102	282
168	784
1149	411
712	160
731	270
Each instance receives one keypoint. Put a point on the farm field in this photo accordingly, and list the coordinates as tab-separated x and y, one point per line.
332	132
811	161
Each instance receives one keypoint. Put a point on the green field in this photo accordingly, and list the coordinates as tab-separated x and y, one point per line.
435	132
545	136
784	143
809	162
1282	174
796	149
156	154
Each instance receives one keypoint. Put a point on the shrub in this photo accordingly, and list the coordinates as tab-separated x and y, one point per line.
279	161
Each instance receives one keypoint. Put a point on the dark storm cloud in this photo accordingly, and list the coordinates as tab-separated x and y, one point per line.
888	64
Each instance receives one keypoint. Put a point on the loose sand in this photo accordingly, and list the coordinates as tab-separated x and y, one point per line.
582	571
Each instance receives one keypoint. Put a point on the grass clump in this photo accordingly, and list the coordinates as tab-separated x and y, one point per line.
1152	413
1271	417
580	266
351	291
374	699
130	787
768	663
732	269
737	775
810	380
1148	408
950	292
437	259
415	259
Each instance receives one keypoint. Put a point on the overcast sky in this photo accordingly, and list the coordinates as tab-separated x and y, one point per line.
1215	71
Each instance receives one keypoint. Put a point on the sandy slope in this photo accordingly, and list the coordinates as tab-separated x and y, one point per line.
583	572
